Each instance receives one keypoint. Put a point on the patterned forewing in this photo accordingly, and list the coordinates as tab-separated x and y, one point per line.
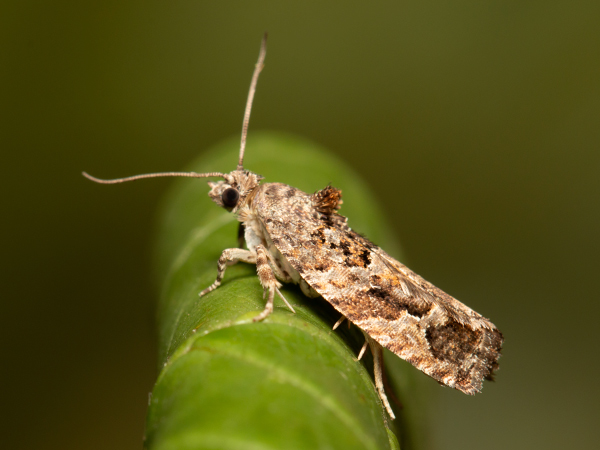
396	307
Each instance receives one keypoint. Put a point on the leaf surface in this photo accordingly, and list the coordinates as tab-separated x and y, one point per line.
287	382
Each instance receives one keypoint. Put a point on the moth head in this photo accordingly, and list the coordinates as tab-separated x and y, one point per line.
236	187
235	190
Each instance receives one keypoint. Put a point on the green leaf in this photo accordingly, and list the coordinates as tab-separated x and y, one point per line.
287	382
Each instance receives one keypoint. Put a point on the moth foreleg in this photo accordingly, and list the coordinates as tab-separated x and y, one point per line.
377	352
229	256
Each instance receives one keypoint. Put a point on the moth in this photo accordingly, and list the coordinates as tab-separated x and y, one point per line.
295	237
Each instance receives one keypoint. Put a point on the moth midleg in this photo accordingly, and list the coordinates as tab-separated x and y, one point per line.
267	280
279	274
229	256
377	351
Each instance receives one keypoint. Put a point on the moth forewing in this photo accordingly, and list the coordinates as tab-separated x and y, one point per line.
393	305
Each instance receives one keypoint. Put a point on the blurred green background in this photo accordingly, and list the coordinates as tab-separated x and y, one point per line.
477	123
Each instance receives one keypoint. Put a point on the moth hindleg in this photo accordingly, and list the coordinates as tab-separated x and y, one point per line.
229	256
364	347
362	351
377	352
338	323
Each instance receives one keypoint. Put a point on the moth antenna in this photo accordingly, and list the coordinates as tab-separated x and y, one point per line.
257	69
153	175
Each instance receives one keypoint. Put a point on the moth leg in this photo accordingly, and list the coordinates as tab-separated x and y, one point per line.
229	256
364	347
362	351
279	274
377	352
339	322
268	282
285	301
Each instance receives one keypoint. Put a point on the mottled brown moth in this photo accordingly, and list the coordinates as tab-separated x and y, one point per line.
295	237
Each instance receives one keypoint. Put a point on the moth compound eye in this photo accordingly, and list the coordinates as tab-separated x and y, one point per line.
230	197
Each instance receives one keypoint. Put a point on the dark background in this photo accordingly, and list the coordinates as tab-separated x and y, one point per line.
476	123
